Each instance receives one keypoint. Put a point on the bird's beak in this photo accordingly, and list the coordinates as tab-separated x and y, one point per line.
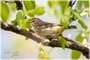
29	22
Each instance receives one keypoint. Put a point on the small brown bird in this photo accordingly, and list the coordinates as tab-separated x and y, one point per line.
45	29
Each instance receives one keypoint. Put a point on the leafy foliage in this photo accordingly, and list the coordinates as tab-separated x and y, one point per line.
64	5
31	8
21	21
4	12
43	54
13	6
83	35
66	17
19	18
70	15
29	5
31	11
80	20
80	2
62	42
75	54
39	11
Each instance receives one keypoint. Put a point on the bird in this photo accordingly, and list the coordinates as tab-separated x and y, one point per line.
45	29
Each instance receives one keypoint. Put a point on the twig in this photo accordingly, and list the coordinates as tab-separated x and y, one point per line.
18	4
17	30
71	3
72	45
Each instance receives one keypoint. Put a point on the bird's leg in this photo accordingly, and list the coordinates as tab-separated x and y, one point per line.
45	41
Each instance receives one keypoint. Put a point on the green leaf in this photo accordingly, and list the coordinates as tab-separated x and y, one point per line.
20	15
64	5
13	6
4	12
21	21
50	3
29	5
39	11
23	24
64	21
80	20
29	26
76	54
19	18
79	38
61	42
14	22
82	36
86	3
31	13
66	17
43	54
65	42
57	13
79	4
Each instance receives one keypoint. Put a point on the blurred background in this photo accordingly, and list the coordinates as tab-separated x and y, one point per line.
14	46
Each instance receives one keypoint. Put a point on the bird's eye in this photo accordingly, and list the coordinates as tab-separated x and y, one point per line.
33	20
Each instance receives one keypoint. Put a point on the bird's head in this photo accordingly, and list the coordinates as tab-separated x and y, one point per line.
35	21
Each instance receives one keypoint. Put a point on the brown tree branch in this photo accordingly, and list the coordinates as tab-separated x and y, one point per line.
72	45
54	43
20	31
